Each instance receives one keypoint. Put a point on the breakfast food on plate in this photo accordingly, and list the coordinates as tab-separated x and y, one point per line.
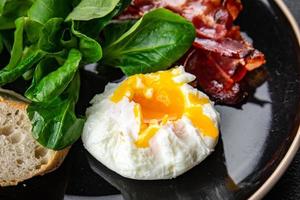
43	45
220	56
21	156
151	126
47	50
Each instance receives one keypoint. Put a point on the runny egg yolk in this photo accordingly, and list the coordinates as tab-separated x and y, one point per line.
159	99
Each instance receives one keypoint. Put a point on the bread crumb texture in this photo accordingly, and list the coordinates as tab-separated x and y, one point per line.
21	157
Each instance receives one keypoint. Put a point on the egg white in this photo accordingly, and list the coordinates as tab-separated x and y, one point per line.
111	129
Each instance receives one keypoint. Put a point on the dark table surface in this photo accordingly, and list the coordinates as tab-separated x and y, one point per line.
288	188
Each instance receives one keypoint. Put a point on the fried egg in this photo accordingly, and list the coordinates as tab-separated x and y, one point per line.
151	126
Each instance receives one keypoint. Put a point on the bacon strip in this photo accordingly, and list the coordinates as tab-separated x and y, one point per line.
220	56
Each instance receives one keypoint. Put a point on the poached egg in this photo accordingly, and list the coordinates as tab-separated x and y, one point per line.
151	126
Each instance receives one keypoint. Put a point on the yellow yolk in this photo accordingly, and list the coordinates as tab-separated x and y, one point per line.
157	94
159	99
145	136
201	121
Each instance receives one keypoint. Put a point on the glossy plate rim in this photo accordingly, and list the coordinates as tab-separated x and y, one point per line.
294	147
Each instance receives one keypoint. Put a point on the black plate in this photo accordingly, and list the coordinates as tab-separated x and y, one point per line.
253	141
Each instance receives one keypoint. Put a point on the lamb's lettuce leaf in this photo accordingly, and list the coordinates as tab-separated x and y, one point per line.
90	48
8	75
10	10
53	84
48	40
153	43
115	30
55	125
98	24
43	10
17	48
92	9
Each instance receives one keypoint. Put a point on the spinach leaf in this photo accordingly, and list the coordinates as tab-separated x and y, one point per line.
42	37
115	30
90	48
17	48
43	68
2	5
10	10
8	75
23	24
50	35
32	31
153	43
60	127
57	59
52	85
29	50
43	10
68	40
91	9
14	8
99	23
28	74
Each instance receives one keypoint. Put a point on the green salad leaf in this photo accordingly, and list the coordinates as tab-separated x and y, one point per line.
18	51
92	9
10	10
43	68
153	43
90	48
32	31
46	47
115	30
8	75
68	39
98	24
17	48
50	36
53	84
49	40
55	125
43	10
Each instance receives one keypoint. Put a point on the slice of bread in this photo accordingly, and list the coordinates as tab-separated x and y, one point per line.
21	156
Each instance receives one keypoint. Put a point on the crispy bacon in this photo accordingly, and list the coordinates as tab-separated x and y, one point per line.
221	56
225	47
217	75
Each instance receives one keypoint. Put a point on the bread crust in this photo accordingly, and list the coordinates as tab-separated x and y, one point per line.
54	162
52	165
